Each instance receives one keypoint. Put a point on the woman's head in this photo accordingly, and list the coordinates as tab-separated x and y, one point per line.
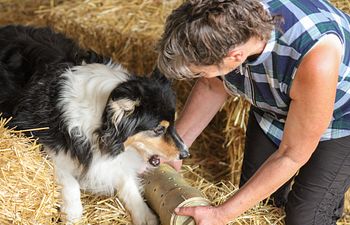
202	32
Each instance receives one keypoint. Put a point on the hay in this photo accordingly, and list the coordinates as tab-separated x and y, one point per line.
27	194
219	192
109	210
21	12
127	31
342	4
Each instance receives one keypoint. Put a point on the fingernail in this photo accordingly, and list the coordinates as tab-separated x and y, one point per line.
176	210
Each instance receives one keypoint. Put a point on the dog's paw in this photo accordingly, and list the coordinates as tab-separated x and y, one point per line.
145	217
73	213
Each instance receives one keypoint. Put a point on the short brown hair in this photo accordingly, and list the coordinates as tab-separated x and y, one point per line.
201	32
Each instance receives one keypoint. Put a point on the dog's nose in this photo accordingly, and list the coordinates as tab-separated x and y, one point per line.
181	146
184	154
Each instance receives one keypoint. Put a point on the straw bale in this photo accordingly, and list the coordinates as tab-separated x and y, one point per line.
21	12
342	4
126	31
28	194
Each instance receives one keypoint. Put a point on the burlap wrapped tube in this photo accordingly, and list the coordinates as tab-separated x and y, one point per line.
166	189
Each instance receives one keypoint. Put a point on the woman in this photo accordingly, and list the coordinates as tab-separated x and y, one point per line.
290	59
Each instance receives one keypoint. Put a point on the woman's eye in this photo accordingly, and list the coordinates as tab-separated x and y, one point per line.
159	130
200	74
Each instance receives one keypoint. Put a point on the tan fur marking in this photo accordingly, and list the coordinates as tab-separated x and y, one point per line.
164	123
123	106
147	146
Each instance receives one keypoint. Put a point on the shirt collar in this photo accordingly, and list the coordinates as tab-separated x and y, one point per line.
266	52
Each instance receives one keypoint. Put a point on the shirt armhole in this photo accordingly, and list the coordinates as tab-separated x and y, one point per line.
313	46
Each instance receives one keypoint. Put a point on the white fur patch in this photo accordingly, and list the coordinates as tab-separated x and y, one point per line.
105	175
85	94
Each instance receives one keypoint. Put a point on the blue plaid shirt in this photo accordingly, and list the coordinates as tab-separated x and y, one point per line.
266	82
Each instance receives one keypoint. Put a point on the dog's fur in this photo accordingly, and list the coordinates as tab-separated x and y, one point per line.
103	124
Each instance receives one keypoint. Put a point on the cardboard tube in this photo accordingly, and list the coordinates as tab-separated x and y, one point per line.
165	190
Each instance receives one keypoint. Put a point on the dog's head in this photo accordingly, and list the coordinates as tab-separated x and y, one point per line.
140	113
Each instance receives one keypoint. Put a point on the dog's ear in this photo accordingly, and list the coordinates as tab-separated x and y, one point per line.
109	140
159	76
118	125
123	108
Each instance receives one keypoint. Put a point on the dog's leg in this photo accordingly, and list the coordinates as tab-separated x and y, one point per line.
128	191
72	206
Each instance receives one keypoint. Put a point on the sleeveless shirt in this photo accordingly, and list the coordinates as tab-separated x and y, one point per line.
266	81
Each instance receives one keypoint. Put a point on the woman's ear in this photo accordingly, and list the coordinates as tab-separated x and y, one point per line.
236	55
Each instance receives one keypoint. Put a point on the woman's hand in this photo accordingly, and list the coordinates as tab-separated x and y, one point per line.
204	215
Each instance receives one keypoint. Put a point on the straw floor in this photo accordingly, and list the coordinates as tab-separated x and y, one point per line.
126	31
27	193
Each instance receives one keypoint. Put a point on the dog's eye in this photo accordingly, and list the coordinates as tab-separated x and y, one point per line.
159	130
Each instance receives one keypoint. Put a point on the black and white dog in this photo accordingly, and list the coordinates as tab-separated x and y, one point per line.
104	126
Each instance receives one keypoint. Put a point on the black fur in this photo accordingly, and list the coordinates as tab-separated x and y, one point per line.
31	63
157	102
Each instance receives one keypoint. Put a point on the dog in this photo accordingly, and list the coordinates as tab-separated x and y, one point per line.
104	126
